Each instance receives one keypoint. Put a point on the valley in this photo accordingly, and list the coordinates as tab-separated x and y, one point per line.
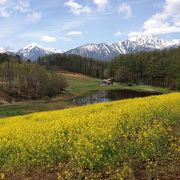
78	85
89	90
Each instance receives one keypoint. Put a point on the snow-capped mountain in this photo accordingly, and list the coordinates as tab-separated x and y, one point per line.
3	50
34	51
95	51
136	44
100	51
6	51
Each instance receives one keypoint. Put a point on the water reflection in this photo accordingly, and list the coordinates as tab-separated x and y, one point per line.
109	95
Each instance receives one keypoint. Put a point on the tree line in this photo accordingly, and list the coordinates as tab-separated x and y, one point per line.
75	63
28	79
157	68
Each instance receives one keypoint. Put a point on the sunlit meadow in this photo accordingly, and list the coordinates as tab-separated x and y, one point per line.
97	141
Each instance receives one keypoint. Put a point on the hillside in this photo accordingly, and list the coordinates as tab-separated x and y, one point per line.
77	85
157	68
131	139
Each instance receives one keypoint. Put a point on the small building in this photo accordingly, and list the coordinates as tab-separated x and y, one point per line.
107	81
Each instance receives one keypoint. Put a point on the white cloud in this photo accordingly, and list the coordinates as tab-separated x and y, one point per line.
22	6
102	4
47	38
66	37
164	22
125	10
2	2
34	16
77	8
74	33
4	13
118	33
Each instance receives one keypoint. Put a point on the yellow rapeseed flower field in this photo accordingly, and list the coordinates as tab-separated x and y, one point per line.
105	140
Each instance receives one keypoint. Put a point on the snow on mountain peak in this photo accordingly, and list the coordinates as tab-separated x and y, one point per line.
2	50
33	51
176	41
32	46
134	44
6	50
101	51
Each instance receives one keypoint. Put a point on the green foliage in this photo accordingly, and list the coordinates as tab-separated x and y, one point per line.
29	80
12	111
158	68
75	63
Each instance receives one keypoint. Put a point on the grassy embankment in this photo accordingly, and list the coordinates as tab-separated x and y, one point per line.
133	139
77	85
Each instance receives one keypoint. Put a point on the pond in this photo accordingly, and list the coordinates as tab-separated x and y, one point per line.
109	95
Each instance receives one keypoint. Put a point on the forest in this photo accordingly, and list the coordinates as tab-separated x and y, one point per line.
75	63
157	68
43	78
28	80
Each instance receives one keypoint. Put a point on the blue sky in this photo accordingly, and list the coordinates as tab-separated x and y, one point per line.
65	24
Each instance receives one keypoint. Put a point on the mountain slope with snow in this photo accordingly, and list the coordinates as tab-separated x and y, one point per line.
34	51
100	51
140	43
3	50
95	51
6	51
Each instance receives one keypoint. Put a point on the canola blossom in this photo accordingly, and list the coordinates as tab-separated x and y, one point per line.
93	137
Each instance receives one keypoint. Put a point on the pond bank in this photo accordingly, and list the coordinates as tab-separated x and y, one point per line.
94	97
77	85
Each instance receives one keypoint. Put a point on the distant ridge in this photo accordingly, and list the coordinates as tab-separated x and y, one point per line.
34	51
100	51
105	51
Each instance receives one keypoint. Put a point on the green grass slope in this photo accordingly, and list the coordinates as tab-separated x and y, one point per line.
78	84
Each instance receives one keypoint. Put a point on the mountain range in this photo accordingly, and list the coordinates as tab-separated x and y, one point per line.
100	51
105	51
34	51
7	51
